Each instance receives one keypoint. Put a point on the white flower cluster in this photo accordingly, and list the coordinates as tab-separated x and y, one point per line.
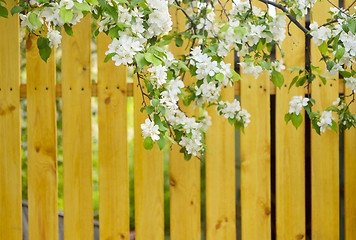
301	6
159	20
233	110
297	103
320	34
209	90
125	48
158	75
325	121
150	129
49	15
340	105
351	83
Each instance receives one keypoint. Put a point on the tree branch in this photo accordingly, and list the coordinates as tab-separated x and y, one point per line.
289	15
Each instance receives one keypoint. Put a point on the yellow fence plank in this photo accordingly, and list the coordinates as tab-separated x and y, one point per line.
220	176
220	171
77	154
324	152
113	159
256	158
148	170
350	168
184	175
10	141
42	144
290	148
350	179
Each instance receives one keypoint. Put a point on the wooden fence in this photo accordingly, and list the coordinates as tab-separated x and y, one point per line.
291	212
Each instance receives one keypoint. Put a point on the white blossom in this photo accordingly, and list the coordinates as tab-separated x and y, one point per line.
297	103
150	129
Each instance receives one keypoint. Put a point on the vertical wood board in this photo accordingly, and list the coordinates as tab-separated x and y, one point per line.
10	131
220	168
256	157
42	144
324	150
77	139
148	168
290	147
113	159
184	175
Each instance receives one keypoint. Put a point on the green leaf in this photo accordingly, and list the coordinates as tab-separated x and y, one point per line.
155	102
44	48
235	76
345	74
323	79
187	156
3	12
164	43
332	108
66	14
295	79
295	69
162	110
82	6
297	120
315	126
68	30
240	30
140	60
323	48
277	78
148	143
162	142
224	28
179	41
150	110
16	9
152	59
109	56
95	2
219	77
114	32
339	53
287	117
352	26
334	126
34	20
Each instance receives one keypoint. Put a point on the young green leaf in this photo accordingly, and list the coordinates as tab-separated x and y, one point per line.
34	20
297	120
16	9
3	12
66	14
162	142
68	30
44	48
109	56
277	78
148	143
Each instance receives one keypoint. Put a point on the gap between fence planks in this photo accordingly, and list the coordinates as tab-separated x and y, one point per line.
130	86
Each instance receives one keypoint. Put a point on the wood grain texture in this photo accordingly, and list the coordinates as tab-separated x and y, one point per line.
256	158
10	139
220	169
77	139
350	169
290	148
324	151
42	144
148	168
350	179
113	159
184	175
